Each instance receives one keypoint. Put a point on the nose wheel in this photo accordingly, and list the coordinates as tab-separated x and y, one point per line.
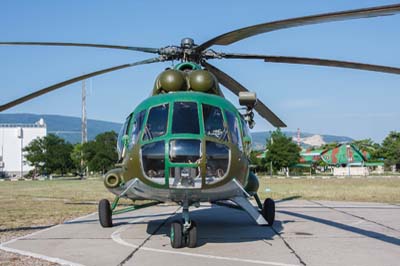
179	238
184	233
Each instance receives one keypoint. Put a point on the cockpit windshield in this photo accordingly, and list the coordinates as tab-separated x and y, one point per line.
186	118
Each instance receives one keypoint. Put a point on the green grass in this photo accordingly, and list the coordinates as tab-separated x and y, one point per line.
377	189
38	203
33	203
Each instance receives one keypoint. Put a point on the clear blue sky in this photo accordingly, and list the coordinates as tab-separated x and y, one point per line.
357	104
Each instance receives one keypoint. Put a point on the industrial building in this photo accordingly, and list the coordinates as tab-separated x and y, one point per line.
13	139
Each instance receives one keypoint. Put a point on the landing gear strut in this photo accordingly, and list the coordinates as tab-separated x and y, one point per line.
267	209
184	233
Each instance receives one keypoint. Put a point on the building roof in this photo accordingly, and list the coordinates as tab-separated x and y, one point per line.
345	154
39	124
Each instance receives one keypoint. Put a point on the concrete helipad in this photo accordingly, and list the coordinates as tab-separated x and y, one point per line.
305	233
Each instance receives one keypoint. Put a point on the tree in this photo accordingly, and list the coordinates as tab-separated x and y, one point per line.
369	146
50	154
281	151
101	154
259	163
77	158
328	146
391	149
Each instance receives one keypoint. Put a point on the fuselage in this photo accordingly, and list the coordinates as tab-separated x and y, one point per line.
183	143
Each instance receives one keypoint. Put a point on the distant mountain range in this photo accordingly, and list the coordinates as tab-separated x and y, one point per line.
69	128
66	127
306	139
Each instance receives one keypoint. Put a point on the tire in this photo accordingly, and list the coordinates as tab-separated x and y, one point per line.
268	211
191	240
105	213
176	235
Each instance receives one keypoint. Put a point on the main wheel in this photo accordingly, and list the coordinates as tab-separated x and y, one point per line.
176	235
105	213
268	211
191	238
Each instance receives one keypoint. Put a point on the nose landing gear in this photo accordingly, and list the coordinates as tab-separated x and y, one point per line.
184	233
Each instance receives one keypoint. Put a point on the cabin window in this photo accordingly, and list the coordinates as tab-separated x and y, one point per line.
234	129
217	161
214	122
153	160
185	118
156	125
184	150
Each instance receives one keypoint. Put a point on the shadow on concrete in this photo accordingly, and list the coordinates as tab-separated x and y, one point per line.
118	221
219	225
363	232
25	228
288	199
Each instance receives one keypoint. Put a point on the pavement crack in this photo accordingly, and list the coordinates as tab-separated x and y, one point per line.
355	216
147	239
301	261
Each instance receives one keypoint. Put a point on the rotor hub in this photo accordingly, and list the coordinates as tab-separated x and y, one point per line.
187	43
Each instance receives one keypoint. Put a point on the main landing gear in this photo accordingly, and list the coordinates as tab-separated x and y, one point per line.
107	210
184	233
267	209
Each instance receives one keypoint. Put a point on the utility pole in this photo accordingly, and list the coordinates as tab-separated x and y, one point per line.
84	121
84	125
270	163
298	137
20	135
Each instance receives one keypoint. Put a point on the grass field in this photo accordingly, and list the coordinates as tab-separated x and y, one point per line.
377	189
41	203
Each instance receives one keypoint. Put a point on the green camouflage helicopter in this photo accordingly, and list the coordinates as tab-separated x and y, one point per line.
186	143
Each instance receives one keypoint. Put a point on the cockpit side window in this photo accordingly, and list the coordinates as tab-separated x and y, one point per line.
234	129
214	122
246	130
185	118
157	120
124	131
247	140
137	125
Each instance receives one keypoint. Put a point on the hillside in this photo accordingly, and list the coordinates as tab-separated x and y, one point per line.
69	128
306	139
66	127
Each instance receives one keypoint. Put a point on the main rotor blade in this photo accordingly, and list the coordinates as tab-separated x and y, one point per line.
240	34
130	48
316	62
236	87
73	80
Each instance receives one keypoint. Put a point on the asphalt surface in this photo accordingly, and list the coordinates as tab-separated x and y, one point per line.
305	233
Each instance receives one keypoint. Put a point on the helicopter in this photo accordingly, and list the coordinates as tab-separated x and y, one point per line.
186	143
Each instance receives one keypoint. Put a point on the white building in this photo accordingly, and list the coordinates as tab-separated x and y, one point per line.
13	139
